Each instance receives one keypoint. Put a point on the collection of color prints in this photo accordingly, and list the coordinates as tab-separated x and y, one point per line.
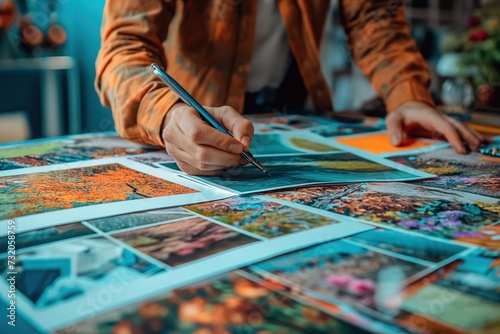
98	251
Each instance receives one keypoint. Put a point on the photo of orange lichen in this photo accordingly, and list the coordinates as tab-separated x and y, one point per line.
28	194
68	149
183	241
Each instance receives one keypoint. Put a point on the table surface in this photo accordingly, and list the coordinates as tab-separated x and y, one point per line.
426	257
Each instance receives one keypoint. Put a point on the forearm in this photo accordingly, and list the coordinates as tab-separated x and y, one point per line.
132	37
381	45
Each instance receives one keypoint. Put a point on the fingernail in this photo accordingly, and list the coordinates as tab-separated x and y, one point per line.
235	148
245	141
395	139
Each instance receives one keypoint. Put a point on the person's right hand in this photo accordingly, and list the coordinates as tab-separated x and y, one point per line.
198	148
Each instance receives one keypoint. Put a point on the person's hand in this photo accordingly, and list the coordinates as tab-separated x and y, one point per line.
420	119
200	149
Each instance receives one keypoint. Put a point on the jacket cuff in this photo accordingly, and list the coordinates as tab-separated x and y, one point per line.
407	91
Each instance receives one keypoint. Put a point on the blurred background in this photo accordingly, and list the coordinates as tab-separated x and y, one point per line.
48	49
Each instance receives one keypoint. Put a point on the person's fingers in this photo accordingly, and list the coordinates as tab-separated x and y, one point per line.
201	156
191	166
395	128
441	125
467	135
199	132
241	128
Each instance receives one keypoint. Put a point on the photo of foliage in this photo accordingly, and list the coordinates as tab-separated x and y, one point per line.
136	219
475	173
226	304
472	291
340	270
55	273
46	235
300	170
409	245
183	241
264	218
342	129
286	143
28	194
434	212
70	149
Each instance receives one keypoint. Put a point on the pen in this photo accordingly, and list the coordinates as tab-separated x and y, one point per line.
204	114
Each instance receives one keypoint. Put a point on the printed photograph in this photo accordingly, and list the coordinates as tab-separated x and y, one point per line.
152	158
434	212
183	241
70	149
46	235
137	219
379	143
342	270
292	121
300	170
56	273
474	173
470	296
342	129
409	245
226	304
285	143
264	218
28	194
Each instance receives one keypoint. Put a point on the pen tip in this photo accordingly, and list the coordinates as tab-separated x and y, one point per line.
268	174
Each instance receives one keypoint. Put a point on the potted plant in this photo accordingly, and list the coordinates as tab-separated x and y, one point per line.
479	49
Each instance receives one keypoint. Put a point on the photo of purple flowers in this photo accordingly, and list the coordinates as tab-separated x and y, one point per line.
474	173
434	212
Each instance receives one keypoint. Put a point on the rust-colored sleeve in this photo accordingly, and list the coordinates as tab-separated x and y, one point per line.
380	43
131	39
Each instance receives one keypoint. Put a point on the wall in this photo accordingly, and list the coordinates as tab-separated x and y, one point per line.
82	20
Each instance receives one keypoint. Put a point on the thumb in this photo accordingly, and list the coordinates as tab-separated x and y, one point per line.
241	128
394	124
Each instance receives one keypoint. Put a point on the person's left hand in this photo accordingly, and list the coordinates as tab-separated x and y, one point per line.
420	119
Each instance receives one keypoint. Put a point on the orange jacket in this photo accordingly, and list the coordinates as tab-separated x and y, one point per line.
206	46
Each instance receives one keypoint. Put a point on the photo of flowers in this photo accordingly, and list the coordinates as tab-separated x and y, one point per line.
287	143
68	149
474	173
342	270
472	290
434	212
46	235
136	219
300	170
183	241
225	304
264	218
28	194
55	273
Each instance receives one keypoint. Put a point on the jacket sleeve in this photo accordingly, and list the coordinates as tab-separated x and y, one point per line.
380	43
132	34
